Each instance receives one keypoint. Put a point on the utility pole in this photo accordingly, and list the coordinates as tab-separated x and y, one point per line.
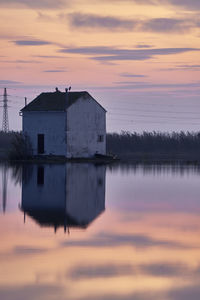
5	124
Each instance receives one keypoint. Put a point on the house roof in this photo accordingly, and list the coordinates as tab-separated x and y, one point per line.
56	101
55	218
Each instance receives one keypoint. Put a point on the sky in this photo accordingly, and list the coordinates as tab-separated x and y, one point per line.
138	58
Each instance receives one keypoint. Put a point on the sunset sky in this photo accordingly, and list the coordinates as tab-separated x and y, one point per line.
138	58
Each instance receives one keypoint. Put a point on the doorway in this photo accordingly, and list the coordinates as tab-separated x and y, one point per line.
40	143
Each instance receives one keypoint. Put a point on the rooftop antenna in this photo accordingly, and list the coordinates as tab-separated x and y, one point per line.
5	124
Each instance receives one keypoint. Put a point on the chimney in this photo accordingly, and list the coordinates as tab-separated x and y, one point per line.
25	101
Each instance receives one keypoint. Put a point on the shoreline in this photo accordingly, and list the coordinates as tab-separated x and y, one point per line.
122	159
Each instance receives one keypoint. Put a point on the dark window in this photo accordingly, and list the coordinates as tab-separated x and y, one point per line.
100	138
40	175
40	143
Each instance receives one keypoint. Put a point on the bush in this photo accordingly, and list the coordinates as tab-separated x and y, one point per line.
20	148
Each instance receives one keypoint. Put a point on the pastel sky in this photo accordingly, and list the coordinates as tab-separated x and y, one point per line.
138	58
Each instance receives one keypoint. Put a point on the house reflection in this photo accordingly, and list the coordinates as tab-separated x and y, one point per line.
65	195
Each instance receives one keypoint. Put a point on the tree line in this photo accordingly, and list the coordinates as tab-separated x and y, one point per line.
153	142
127	144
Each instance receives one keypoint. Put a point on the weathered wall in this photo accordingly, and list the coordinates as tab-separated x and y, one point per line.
76	191
49	195
85	191
52	125
85	122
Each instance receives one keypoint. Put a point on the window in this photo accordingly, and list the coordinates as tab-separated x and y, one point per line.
100	138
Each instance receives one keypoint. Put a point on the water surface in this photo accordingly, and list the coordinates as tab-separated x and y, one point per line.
80	231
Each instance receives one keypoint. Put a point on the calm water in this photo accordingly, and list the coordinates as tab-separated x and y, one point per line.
80	231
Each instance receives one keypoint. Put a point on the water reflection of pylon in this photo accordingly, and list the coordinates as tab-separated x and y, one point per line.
4	187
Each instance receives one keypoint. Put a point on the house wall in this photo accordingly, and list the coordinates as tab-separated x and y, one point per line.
51	194
86	120
74	190
52	125
85	191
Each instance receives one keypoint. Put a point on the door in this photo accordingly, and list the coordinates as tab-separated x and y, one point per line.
40	143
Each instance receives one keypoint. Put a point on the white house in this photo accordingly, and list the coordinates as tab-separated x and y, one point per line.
63	195
70	124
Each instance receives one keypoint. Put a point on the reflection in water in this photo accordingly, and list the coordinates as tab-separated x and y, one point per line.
4	187
70	195
146	245
156	169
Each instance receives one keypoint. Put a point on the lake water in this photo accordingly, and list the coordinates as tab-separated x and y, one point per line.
80	231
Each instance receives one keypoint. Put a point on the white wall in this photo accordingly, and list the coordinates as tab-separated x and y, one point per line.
85	121
85	191
52	125
51	194
74	190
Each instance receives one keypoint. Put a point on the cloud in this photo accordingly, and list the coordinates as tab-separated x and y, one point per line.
40	4
144	54
31	42
165	269
188	292
188	67
91	21
189	4
54	71
133	85
115	240
186	4
48	56
159	269
133	296
26	250
22	251
110	23
32	292
129	75
2	82
21	61
143	46
99	271
161	25
117	54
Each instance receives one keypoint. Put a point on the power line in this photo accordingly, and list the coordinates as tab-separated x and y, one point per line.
151	122
156	111
155	116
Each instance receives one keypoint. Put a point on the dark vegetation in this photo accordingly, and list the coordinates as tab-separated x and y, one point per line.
127	146
13	146
155	146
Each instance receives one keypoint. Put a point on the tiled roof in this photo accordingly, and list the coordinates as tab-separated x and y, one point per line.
56	101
